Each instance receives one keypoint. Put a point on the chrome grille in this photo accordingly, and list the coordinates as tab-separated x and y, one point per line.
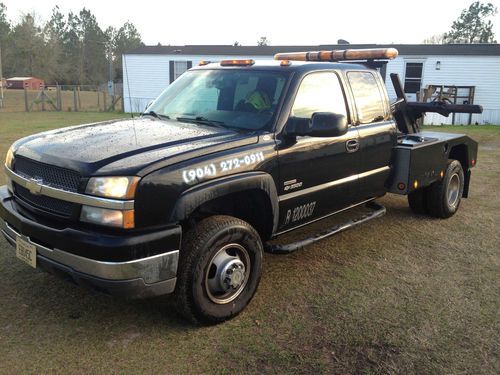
53	176
52	205
56	177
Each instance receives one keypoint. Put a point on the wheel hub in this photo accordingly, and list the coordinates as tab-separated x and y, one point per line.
453	189
227	273
232	275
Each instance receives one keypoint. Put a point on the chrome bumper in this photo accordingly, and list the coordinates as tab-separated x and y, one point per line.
154	269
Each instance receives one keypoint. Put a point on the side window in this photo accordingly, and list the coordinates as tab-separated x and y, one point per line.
319	92
369	101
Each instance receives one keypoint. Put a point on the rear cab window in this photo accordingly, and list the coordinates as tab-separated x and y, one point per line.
368	97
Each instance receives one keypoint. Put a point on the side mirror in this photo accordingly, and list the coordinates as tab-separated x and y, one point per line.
326	124
321	124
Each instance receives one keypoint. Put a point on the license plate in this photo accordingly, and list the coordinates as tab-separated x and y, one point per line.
26	252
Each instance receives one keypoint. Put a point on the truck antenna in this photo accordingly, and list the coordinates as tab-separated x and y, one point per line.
129	97
128	86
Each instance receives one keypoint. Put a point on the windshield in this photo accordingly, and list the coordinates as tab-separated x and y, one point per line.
245	100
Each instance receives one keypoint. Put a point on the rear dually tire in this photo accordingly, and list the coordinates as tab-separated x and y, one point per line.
444	196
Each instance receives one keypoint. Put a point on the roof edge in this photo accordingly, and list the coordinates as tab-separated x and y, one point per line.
404	49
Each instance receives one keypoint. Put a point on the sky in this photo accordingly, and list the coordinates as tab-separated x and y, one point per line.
300	22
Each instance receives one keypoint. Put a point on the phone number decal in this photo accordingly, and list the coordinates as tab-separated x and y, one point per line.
230	164
191	175
211	170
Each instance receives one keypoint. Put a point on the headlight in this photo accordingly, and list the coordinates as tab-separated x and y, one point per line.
9	158
104	216
112	187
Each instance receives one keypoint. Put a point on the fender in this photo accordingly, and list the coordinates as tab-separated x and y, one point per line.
194	197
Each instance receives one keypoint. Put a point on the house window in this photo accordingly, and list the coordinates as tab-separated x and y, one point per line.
413	77
177	68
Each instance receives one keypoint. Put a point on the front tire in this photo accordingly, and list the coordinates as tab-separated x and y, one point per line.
444	196
219	269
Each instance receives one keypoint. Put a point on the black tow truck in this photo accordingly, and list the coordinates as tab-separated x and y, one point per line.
185	198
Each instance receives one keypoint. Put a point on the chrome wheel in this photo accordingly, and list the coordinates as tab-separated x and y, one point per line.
227	274
453	190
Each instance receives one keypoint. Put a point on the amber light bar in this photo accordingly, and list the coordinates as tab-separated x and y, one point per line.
237	62
341	55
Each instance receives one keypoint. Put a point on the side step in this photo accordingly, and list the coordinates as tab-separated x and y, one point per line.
377	210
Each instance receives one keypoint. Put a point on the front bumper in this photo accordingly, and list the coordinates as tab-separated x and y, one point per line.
134	266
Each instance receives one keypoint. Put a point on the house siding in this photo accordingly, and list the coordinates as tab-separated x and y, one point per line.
147	75
483	72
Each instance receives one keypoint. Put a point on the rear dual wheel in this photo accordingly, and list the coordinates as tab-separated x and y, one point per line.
442	198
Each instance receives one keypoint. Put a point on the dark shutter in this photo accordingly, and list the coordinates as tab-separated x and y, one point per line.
171	71
189	64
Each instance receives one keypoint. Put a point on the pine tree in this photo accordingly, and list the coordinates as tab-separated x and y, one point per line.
473	25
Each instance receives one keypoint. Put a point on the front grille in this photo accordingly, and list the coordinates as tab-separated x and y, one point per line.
53	176
56	177
52	205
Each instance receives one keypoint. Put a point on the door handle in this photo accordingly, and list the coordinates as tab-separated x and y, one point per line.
352	145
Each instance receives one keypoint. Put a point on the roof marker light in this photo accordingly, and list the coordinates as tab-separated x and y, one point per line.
285	63
247	62
341	55
204	62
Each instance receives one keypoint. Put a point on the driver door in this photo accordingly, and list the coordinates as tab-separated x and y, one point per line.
318	175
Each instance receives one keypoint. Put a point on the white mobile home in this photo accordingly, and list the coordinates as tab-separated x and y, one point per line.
467	73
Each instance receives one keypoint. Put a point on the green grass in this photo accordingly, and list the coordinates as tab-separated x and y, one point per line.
400	295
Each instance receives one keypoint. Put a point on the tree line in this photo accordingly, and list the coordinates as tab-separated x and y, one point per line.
67	49
474	25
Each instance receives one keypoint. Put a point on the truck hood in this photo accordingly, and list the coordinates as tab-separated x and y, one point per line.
126	147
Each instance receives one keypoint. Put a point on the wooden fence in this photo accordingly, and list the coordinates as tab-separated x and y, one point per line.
62	98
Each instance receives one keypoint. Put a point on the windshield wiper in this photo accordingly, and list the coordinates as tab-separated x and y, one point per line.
156	115
203	121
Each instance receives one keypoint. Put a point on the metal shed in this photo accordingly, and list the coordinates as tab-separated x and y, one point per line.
30	83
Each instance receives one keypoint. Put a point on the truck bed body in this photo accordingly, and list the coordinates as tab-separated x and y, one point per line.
419	159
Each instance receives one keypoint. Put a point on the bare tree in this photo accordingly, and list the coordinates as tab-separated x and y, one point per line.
434	39
263	41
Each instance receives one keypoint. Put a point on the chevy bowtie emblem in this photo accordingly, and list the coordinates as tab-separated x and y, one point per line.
35	186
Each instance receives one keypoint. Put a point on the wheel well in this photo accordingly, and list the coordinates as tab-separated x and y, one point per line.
252	206
459	152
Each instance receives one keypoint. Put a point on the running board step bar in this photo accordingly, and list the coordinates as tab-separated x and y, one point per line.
377	210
